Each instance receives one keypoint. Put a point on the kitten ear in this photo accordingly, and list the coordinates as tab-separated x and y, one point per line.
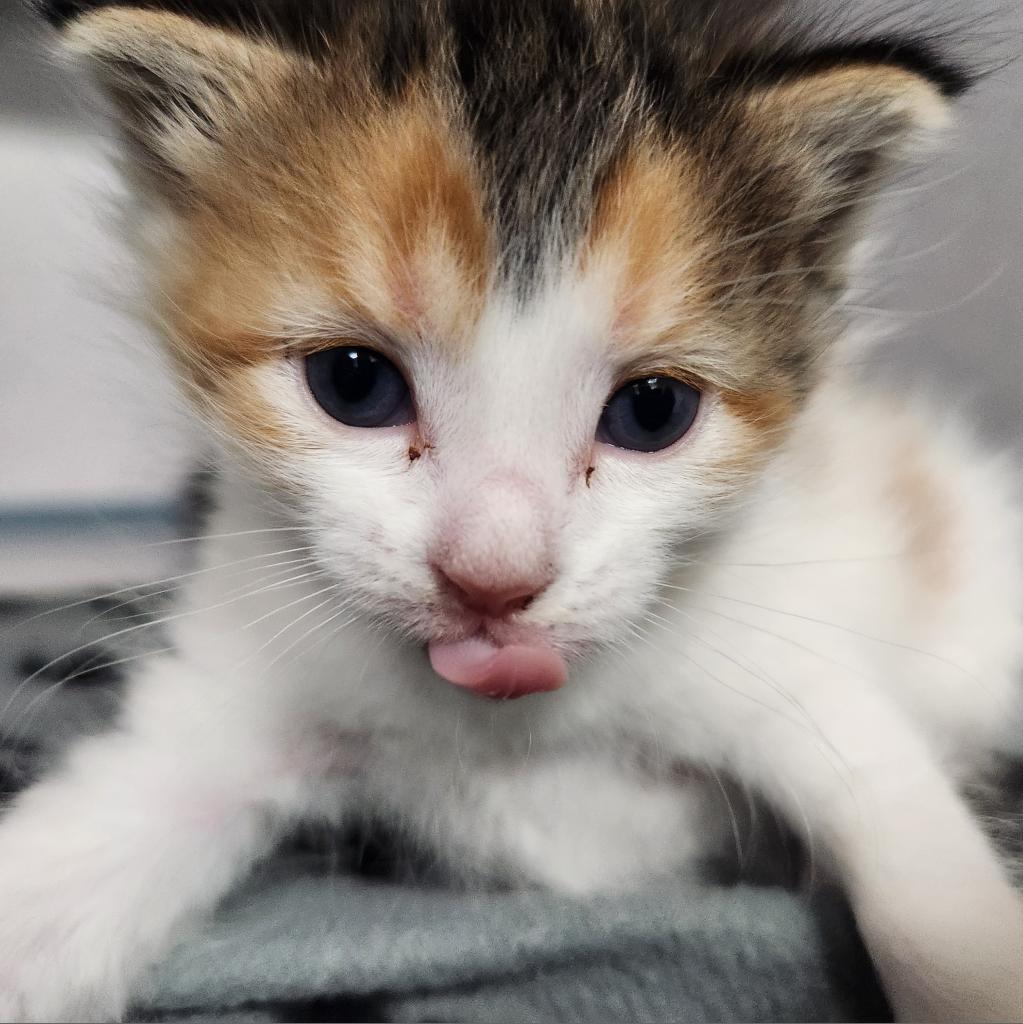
831	132
178	85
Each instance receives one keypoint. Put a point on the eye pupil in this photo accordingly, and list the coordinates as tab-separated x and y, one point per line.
358	386
355	374
652	403
649	414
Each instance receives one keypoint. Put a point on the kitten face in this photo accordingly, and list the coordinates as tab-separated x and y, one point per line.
501	475
519	242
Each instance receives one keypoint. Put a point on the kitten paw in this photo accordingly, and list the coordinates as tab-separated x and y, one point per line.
58	983
61	959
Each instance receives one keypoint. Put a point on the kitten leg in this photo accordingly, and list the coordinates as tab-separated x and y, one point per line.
939	915
142	829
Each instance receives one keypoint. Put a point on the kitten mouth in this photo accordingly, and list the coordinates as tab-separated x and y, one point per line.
498	672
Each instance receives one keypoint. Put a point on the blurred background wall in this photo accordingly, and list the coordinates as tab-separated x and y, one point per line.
93	455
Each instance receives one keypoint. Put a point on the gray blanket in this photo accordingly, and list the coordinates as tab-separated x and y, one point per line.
329	932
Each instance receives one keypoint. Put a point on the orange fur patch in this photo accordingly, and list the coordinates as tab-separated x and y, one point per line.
650	235
421	211
928	521
765	411
380	219
646	236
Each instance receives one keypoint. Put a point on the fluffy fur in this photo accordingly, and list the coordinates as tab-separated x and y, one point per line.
816	593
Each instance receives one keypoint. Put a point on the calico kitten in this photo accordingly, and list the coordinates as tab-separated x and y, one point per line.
515	325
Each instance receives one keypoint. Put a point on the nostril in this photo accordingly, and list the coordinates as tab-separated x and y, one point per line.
491	597
515	603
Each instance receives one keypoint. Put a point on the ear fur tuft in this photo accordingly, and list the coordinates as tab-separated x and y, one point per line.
830	127
177	83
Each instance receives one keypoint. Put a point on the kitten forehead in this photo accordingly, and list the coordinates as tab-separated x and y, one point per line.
547	94
373	225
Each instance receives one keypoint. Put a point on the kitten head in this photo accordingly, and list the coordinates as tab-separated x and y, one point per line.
511	300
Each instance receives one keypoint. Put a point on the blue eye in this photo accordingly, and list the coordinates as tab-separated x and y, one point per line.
359	387
648	414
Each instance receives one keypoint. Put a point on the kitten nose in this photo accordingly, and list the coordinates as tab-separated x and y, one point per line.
493	597
494	551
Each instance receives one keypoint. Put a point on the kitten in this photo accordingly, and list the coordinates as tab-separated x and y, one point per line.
515	326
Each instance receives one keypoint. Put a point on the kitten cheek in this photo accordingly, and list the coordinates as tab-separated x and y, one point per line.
257	406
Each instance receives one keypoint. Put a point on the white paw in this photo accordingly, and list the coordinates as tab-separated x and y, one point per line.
67	950
39	992
960	958
52	971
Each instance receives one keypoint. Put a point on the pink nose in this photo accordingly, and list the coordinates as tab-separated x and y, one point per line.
494	597
493	552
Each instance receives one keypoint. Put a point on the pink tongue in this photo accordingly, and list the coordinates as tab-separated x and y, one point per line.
498	672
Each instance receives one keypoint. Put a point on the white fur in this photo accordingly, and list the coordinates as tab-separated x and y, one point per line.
773	630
